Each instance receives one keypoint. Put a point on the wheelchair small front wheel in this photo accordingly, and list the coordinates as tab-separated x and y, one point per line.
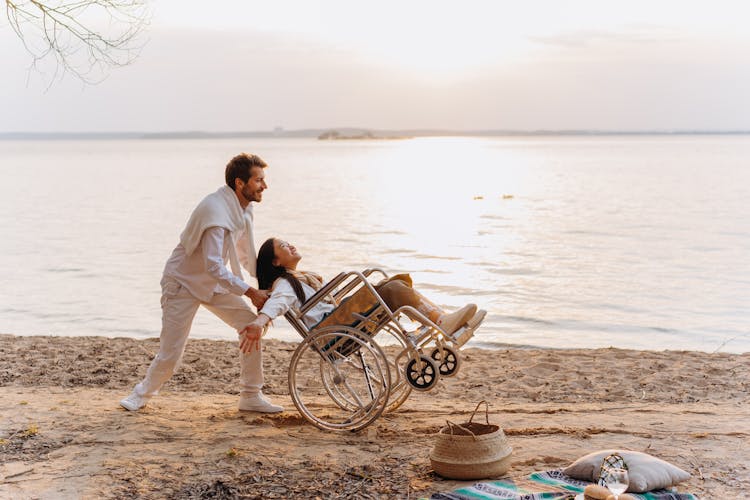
448	361
422	373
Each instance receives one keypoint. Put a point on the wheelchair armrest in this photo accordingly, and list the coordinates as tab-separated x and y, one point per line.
359	278
320	294
369	271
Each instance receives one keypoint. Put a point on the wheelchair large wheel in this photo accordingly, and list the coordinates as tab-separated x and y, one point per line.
395	346
339	379
399	390
400	387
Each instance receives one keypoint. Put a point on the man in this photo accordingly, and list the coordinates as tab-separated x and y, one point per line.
219	232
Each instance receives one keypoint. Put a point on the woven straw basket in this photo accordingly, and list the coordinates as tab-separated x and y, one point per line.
471	450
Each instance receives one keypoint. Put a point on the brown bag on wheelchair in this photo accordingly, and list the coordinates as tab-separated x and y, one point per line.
361	302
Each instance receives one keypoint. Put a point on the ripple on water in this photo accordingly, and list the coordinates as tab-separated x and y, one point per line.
65	270
511	271
397	251
436	257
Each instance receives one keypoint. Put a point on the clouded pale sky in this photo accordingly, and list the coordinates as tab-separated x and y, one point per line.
470	65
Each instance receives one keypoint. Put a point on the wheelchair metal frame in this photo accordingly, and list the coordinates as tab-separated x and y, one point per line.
364	378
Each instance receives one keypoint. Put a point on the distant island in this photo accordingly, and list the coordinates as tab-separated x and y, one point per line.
335	135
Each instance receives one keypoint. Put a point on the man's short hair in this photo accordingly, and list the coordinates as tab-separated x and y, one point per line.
240	166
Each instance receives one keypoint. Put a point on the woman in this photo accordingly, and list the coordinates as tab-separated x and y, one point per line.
290	288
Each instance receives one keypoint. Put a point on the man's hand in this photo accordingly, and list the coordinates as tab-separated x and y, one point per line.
258	297
250	338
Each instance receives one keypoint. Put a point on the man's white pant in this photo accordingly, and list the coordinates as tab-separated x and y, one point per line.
178	310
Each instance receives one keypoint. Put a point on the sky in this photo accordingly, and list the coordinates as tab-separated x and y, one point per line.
245	65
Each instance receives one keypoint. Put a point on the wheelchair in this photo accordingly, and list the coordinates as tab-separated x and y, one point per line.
341	378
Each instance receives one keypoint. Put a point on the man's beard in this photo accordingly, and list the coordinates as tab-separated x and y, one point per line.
250	195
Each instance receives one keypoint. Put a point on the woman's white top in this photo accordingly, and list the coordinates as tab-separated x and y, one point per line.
283	299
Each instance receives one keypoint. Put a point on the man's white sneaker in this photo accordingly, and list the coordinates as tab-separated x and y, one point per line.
134	402
259	403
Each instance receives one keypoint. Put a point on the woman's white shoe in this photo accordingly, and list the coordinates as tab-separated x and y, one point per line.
449	323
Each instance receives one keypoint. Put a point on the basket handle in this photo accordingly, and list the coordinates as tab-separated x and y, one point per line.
451	425
486	411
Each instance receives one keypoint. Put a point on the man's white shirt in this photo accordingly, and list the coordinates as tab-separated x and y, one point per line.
204	272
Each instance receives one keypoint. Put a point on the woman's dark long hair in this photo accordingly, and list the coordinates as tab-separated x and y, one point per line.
267	273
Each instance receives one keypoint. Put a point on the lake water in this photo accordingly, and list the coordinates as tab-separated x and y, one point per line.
577	241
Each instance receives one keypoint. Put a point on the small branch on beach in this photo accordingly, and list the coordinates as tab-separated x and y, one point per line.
10	476
92	474
69	476
723	344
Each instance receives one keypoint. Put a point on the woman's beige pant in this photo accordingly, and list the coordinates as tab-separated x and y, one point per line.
178	310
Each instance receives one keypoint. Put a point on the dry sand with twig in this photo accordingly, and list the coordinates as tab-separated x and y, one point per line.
62	434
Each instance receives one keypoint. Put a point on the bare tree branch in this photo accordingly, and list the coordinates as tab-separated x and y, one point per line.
84	37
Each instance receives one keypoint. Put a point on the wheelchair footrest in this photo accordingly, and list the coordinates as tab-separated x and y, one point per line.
463	335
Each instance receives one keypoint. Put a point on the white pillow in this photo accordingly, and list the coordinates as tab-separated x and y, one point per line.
645	472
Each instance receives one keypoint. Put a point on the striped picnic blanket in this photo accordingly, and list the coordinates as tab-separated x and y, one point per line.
548	485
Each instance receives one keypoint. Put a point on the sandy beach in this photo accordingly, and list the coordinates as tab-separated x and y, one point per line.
63	435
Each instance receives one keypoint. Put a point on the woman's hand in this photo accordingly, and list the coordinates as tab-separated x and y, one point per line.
250	338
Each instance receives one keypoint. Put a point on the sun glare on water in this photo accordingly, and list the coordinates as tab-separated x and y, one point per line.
440	192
